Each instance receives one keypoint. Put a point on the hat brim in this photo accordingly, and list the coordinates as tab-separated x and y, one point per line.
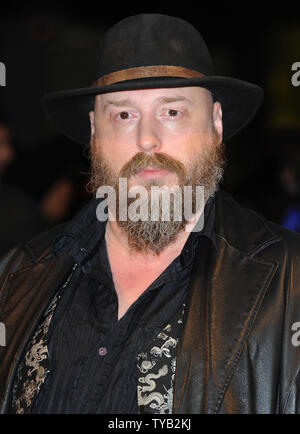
69	109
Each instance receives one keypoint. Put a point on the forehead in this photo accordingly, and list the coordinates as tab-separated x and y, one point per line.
191	95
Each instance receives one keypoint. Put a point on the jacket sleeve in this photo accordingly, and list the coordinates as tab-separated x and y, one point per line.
290	359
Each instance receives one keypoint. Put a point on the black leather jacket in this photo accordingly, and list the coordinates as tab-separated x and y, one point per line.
239	351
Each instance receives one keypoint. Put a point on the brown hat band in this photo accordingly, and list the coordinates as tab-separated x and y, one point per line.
147	71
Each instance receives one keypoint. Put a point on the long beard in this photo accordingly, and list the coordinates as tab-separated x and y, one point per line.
149	236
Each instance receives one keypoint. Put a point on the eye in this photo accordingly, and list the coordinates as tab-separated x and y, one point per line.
172	113
123	115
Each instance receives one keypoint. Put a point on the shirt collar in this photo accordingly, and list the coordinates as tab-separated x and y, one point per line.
84	234
188	251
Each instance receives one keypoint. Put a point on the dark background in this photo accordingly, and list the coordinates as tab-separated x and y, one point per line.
51	46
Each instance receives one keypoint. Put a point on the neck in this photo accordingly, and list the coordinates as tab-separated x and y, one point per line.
134	271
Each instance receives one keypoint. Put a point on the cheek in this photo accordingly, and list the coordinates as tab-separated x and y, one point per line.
188	133
107	131
116	131
185	145
115	152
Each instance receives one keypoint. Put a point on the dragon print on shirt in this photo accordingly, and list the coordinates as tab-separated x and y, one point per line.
156	369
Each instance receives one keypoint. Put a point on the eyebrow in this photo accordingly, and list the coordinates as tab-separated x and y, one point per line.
166	99
117	103
160	100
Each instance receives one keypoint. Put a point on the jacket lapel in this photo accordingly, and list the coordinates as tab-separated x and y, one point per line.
226	291
46	273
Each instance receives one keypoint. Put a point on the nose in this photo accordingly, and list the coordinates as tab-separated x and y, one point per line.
148	139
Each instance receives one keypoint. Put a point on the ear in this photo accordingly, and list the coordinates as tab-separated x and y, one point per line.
217	118
92	121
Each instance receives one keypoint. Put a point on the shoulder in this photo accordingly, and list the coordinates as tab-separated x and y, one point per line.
251	232
38	249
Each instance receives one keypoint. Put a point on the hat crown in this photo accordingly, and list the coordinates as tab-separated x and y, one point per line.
152	39
150	51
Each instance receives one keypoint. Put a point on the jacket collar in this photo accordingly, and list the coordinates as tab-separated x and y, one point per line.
83	235
226	291
250	233
243	229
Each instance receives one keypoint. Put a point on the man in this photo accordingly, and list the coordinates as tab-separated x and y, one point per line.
145	316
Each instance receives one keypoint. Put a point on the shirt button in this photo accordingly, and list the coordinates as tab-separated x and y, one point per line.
40	372
102	351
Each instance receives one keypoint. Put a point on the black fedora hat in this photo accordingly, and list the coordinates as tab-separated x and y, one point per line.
152	51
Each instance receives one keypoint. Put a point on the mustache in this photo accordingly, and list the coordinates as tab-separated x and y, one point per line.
157	161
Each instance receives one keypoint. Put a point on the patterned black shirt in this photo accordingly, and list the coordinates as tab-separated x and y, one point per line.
97	364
